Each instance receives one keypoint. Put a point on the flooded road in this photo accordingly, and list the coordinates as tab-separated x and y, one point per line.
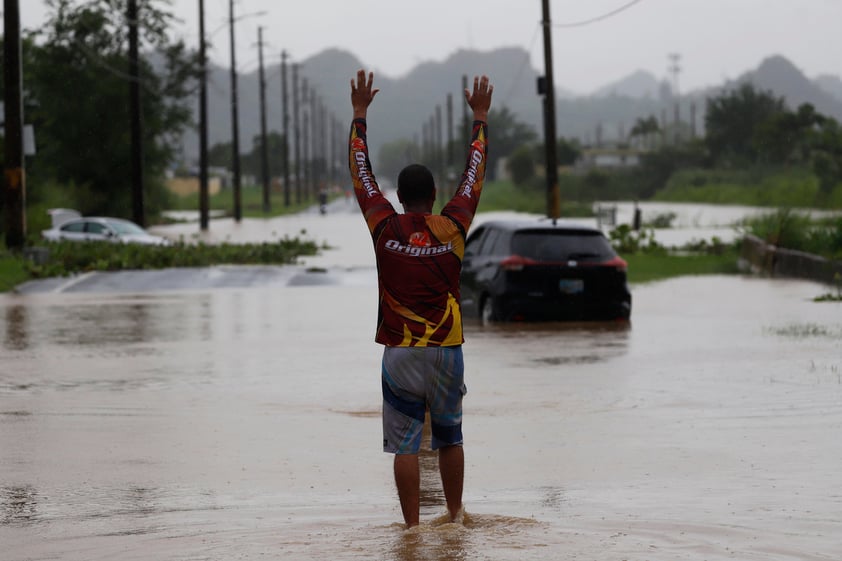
242	422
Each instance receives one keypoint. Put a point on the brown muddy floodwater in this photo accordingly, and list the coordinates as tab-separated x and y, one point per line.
243	423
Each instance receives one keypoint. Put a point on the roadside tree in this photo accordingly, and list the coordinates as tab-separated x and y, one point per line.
77	87
732	122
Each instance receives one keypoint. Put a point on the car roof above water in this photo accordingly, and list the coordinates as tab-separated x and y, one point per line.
565	225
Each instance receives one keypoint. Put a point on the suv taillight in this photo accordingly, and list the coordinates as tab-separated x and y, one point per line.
516	263
618	263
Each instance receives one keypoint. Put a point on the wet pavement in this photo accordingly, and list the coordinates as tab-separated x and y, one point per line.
241	421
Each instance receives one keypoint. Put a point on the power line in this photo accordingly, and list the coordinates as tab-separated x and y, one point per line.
596	19
524	64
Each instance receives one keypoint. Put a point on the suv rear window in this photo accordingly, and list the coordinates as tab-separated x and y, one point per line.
562	245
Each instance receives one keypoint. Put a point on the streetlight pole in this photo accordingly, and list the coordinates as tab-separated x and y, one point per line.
235	124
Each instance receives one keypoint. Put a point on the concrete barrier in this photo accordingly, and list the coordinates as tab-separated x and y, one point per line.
759	257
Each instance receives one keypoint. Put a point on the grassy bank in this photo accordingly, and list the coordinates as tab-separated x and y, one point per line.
13	271
645	267
790	187
103	257
251	203
505	195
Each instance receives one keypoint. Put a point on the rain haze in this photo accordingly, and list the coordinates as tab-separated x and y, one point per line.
234	412
594	43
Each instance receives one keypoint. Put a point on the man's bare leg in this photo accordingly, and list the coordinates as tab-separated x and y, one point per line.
452	469
408	482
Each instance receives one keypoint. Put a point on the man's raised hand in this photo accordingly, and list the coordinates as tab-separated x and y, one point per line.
480	99
362	94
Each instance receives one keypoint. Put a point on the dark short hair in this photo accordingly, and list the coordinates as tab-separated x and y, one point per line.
415	184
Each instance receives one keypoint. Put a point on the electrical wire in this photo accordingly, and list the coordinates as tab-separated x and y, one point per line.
596	19
516	80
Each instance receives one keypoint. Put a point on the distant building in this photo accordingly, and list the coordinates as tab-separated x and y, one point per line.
182	186
607	158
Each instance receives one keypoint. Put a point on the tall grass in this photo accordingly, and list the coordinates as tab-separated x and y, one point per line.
12	272
505	195
648	267
251	201
791	187
795	230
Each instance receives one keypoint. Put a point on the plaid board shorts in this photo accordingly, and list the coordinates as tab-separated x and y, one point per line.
417	379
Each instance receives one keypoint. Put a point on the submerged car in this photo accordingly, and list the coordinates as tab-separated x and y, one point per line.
69	225
543	271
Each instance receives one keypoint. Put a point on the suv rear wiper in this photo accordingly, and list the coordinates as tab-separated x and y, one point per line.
581	255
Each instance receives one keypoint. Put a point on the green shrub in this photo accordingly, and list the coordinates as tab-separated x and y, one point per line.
72	257
628	241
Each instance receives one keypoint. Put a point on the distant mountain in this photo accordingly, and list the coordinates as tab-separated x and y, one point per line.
638	84
779	75
406	104
402	108
830	84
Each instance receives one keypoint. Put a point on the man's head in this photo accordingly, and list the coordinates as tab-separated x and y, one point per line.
416	187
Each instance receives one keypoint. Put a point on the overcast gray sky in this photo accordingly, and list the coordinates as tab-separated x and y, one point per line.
716	39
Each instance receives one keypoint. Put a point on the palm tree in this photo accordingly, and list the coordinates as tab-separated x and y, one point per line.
646	130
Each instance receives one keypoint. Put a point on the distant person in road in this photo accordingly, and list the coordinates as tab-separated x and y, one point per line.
323	200
419	321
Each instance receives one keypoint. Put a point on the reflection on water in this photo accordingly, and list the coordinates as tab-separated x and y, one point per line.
431	543
18	505
16	328
116	321
441	540
558	344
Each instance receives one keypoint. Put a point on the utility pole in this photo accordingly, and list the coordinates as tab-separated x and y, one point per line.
305	139
264	148
674	69
449	131
336	165
425	143
14	177
318	146
467	125
439	159
553	204
693	120
285	125
312	144
138	212
204	207
235	122
297	127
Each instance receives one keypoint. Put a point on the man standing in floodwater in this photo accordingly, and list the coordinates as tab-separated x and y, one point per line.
419	320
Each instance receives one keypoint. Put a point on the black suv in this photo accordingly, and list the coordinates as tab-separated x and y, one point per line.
540	270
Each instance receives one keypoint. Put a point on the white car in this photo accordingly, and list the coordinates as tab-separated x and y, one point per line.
70	225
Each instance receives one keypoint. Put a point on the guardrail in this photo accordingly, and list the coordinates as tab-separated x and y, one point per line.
759	257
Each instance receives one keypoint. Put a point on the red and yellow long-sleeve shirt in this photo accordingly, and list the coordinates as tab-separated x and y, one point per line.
419	256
